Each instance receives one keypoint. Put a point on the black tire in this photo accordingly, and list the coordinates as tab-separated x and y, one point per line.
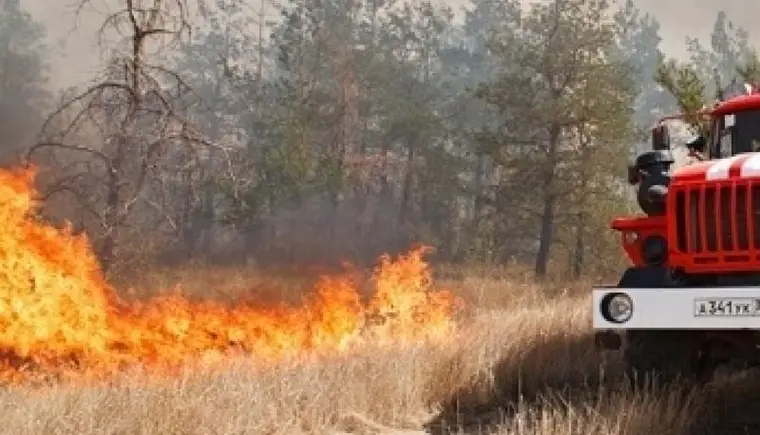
657	358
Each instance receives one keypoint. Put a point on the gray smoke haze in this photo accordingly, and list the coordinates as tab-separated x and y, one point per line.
79	57
682	18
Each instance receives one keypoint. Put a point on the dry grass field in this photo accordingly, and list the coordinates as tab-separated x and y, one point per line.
522	362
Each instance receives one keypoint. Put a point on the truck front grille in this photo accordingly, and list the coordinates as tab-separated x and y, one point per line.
718	221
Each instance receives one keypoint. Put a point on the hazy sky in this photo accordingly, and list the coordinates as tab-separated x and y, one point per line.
679	19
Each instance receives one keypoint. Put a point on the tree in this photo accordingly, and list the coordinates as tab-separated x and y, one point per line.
638	45
559	95
729	49
119	142
684	82
352	120
23	76
224	65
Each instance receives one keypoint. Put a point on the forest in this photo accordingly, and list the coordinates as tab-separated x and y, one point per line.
318	131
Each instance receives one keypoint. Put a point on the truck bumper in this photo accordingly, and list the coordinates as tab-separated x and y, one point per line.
703	308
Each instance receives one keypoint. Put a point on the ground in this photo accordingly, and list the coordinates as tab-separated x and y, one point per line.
523	362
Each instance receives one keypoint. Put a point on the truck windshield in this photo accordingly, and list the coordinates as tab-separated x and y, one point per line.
736	133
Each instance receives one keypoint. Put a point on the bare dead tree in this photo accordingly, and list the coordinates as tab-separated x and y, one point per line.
111	144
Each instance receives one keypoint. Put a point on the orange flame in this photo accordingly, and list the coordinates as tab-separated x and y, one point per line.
59	317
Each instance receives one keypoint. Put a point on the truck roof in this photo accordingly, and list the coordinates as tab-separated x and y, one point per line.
738	104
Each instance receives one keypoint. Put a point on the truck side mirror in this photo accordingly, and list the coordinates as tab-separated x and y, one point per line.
660	138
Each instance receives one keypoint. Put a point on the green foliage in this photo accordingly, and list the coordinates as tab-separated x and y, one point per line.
729	63
749	70
502	138
688	87
567	111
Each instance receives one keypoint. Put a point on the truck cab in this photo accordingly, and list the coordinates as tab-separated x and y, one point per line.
735	127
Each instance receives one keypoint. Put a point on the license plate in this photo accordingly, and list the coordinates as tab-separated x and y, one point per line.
726	307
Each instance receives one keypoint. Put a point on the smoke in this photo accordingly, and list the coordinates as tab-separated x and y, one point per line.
78	59
317	233
695	18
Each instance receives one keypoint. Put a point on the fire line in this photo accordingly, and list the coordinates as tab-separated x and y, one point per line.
60	318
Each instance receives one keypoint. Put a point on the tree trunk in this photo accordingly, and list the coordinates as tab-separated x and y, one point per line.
406	192
207	222
583	193
111	215
580	245
546	237
545	241
477	200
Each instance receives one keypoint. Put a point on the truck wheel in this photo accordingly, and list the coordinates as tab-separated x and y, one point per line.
659	357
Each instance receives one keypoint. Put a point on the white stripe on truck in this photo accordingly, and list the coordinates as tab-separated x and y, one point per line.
751	167
720	169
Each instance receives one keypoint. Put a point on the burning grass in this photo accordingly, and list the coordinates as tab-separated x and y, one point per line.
525	368
58	315
519	359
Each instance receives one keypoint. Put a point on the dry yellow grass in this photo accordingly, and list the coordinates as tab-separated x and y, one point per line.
524	363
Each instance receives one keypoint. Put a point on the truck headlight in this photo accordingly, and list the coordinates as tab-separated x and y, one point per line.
655	250
617	307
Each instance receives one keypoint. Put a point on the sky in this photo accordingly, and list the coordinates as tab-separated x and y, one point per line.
74	62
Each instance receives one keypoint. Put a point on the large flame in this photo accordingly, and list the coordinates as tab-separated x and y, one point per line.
59	317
